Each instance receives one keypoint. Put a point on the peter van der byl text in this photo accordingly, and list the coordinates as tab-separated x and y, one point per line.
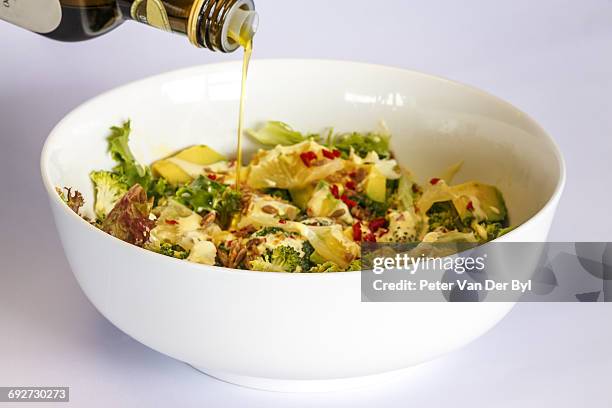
463	285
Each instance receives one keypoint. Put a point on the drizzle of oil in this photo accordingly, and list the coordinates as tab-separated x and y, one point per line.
248	50
245	39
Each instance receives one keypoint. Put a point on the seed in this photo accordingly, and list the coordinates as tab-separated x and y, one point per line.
318	163
239	257
338	213
268	209
360	174
208	219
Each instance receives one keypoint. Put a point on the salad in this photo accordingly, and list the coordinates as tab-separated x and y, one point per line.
303	204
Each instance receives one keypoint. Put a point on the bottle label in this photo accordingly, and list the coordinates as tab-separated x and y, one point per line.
40	16
151	12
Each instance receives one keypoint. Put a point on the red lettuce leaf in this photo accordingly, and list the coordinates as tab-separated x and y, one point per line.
129	219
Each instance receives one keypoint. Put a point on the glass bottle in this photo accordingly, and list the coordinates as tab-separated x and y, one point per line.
210	24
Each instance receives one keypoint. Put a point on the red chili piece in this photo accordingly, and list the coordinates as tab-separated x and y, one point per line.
172	222
377	223
327	154
357	231
434	181
282	221
308	157
350	185
349	203
212	176
470	206
337	153
334	190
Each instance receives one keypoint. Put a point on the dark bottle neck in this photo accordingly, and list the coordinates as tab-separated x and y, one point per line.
205	22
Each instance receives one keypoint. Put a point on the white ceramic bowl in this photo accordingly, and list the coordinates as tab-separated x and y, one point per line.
293	331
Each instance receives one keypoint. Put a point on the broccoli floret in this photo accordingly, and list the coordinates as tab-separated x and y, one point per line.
328	266
355	265
109	188
268	231
206	195
281	193
286	257
363	143
392	186
444	215
374	208
281	259
173	250
306	263
261	265
495	229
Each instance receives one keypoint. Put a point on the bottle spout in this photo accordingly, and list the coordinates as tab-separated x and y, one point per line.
242	24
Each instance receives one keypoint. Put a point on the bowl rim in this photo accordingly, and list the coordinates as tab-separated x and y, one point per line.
53	134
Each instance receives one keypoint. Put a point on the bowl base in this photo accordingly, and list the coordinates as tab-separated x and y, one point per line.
278	385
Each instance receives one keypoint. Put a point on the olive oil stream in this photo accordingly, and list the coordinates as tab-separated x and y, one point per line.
245	39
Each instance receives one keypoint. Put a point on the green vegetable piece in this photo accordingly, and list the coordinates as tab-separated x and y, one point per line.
374	208
275	133
496	230
127	167
488	197
444	215
281	193
308	251
328	266
130	171
376	185
205	195
281	259
173	250
363	143
405	193
108	188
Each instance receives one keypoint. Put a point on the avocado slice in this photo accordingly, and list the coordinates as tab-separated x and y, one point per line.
199	155
488	197
376	185
171	172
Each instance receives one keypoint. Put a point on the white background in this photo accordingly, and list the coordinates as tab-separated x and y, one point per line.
551	58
